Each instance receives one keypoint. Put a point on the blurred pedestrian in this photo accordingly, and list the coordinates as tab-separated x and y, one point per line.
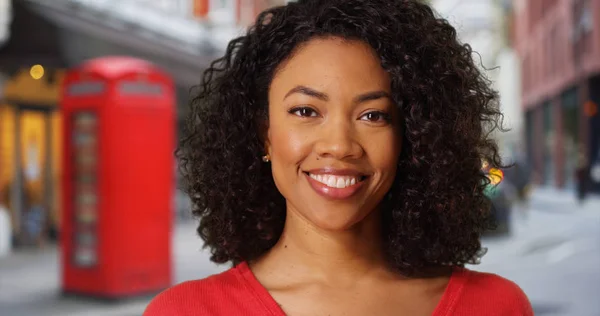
334	159
518	178
5	227
34	217
582	175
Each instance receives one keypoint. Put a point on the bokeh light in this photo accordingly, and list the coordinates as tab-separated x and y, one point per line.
36	72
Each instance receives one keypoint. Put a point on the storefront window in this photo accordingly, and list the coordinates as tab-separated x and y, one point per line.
570	118
549	143
529	134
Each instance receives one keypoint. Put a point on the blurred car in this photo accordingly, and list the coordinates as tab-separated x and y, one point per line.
499	193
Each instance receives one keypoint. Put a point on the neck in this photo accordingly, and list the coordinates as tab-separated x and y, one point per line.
305	250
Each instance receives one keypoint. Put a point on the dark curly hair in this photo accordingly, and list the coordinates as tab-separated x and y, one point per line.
436	210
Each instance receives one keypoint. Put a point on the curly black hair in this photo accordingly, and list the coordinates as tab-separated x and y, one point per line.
436	210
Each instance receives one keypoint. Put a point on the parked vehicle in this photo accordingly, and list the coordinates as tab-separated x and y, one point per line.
500	195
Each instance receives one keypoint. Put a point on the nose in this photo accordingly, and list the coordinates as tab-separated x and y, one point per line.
338	140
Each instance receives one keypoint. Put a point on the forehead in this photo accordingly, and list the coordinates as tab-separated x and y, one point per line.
333	62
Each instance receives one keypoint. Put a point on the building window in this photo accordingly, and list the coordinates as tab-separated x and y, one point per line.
529	136
549	143
582	27
570	131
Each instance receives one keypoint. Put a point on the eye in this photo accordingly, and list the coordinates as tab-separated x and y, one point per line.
376	117
303	112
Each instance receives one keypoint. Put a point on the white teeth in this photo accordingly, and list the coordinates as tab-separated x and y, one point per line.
335	181
331	181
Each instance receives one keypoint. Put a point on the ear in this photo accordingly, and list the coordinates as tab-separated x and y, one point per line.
265	137
267	141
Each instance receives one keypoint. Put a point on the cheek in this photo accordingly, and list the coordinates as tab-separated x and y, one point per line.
387	162
384	153
289	147
287	144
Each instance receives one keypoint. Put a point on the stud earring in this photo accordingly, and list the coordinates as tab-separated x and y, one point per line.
266	158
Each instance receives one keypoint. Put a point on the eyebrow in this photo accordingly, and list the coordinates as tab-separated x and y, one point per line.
369	96
309	92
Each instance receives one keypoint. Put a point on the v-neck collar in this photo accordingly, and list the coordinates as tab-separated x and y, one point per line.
258	290
445	306
452	293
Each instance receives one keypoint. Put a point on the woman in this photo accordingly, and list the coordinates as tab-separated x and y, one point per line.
334	158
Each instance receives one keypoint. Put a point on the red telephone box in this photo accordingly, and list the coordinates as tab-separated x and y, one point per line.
119	134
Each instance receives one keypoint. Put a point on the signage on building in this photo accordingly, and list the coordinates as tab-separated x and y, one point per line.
201	8
132	87
86	88
590	108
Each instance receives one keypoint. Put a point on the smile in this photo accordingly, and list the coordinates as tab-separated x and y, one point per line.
335	184
332	181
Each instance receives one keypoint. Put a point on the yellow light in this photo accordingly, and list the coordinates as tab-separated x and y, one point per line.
36	72
495	175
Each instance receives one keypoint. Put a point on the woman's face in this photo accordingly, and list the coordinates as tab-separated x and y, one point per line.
334	132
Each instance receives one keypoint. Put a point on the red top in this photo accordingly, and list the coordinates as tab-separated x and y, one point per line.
238	292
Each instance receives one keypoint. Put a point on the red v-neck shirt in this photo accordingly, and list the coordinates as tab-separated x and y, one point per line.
238	292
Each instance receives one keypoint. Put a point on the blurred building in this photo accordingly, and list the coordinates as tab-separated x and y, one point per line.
485	26
558	43
41	39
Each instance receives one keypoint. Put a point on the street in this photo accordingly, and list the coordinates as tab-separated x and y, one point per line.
553	253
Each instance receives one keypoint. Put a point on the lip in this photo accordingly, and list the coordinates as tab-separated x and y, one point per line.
337	172
335	193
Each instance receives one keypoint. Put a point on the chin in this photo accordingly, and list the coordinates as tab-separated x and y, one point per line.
335	219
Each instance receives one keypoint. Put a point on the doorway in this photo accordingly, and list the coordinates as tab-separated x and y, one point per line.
31	178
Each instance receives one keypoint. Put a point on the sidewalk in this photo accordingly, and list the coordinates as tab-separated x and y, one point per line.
551	218
30	281
550	198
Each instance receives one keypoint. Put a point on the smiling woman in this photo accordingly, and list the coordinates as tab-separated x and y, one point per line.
331	122
334	157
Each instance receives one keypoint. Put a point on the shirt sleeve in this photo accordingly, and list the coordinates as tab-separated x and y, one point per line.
491	295
521	305
163	304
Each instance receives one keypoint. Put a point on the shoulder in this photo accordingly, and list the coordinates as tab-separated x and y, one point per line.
491	294
197	297
491	283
